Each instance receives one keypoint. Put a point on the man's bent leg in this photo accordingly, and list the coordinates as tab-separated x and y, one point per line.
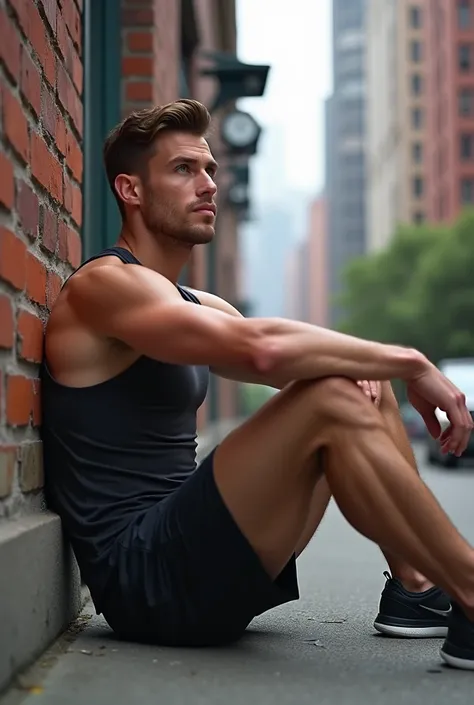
411	579
265	472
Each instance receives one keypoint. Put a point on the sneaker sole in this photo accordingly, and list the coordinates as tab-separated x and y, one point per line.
411	632
456	662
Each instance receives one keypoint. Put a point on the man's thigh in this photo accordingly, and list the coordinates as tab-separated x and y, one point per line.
266	470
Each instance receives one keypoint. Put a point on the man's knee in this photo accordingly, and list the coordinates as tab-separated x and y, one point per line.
339	401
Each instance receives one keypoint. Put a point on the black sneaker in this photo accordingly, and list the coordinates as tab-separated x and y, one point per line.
458	648
412	614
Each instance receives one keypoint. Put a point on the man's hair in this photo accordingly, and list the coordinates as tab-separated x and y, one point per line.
131	144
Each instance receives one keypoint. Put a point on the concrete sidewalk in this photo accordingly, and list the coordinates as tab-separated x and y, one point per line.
321	649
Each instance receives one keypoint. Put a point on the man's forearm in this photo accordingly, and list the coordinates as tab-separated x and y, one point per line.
291	350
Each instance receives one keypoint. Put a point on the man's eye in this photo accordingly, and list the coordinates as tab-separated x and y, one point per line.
182	168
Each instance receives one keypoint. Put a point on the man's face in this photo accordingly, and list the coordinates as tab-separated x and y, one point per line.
179	189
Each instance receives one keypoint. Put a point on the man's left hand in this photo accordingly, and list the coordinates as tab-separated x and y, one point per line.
373	390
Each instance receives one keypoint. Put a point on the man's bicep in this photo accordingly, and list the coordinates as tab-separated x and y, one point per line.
156	322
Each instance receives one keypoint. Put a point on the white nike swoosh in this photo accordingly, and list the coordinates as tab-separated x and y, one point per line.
443	613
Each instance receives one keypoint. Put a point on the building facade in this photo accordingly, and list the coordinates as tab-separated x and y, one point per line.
317	262
345	145
69	71
397	91
449	31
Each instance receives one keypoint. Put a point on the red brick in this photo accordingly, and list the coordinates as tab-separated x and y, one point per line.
28	209
61	136
45	167
7	183
50	230
74	156
62	38
49	113
73	201
77	73
36	31
35	279
137	18
19	400
49	65
54	287
50	8
139	91
30	81
62	86
7	330
137	66
15	124
23	16
140	41
36	402
73	21
30	333
75	109
74	248
62	240
12	259
9	46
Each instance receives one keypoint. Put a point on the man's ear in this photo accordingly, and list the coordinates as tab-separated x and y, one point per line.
128	188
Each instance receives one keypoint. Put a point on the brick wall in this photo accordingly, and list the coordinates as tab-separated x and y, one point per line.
40	215
150	52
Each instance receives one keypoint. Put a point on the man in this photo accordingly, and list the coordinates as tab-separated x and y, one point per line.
187	556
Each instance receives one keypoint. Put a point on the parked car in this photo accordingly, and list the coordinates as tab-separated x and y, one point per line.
461	373
414	424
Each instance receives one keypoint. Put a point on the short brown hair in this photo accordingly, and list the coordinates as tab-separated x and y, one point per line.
131	143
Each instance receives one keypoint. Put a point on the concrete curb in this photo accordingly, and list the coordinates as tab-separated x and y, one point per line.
39	589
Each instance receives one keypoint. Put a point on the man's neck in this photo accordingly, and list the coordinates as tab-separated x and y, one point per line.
166	258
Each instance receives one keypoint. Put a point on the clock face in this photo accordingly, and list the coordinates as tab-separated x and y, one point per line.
239	129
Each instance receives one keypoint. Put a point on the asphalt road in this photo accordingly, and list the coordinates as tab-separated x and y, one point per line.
321	649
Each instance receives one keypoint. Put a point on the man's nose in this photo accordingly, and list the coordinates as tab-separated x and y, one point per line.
206	185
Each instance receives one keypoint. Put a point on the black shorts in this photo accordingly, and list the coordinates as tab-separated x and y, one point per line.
186	576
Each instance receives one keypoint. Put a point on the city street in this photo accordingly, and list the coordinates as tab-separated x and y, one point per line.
320	650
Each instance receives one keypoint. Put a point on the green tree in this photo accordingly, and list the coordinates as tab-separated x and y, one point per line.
378	298
418	292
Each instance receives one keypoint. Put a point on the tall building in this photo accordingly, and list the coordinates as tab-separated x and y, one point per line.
345	134
317	274
420	113
449	31
396	118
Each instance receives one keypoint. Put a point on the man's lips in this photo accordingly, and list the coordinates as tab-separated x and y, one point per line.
207	208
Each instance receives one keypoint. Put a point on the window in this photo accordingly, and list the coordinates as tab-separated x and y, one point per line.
418	217
466	147
466	102
464	14
416	84
417	186
415	17
417	118
415	51
465	57
417	152
467	191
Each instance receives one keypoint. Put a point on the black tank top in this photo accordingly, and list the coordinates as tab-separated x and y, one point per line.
115	449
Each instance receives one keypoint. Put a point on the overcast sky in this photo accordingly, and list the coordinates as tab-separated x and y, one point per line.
294	37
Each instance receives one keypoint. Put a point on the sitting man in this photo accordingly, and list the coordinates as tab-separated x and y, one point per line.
186	555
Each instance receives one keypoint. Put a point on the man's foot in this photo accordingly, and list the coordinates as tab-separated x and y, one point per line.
458	648
412	614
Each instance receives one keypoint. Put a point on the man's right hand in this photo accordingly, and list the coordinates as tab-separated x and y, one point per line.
430	390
